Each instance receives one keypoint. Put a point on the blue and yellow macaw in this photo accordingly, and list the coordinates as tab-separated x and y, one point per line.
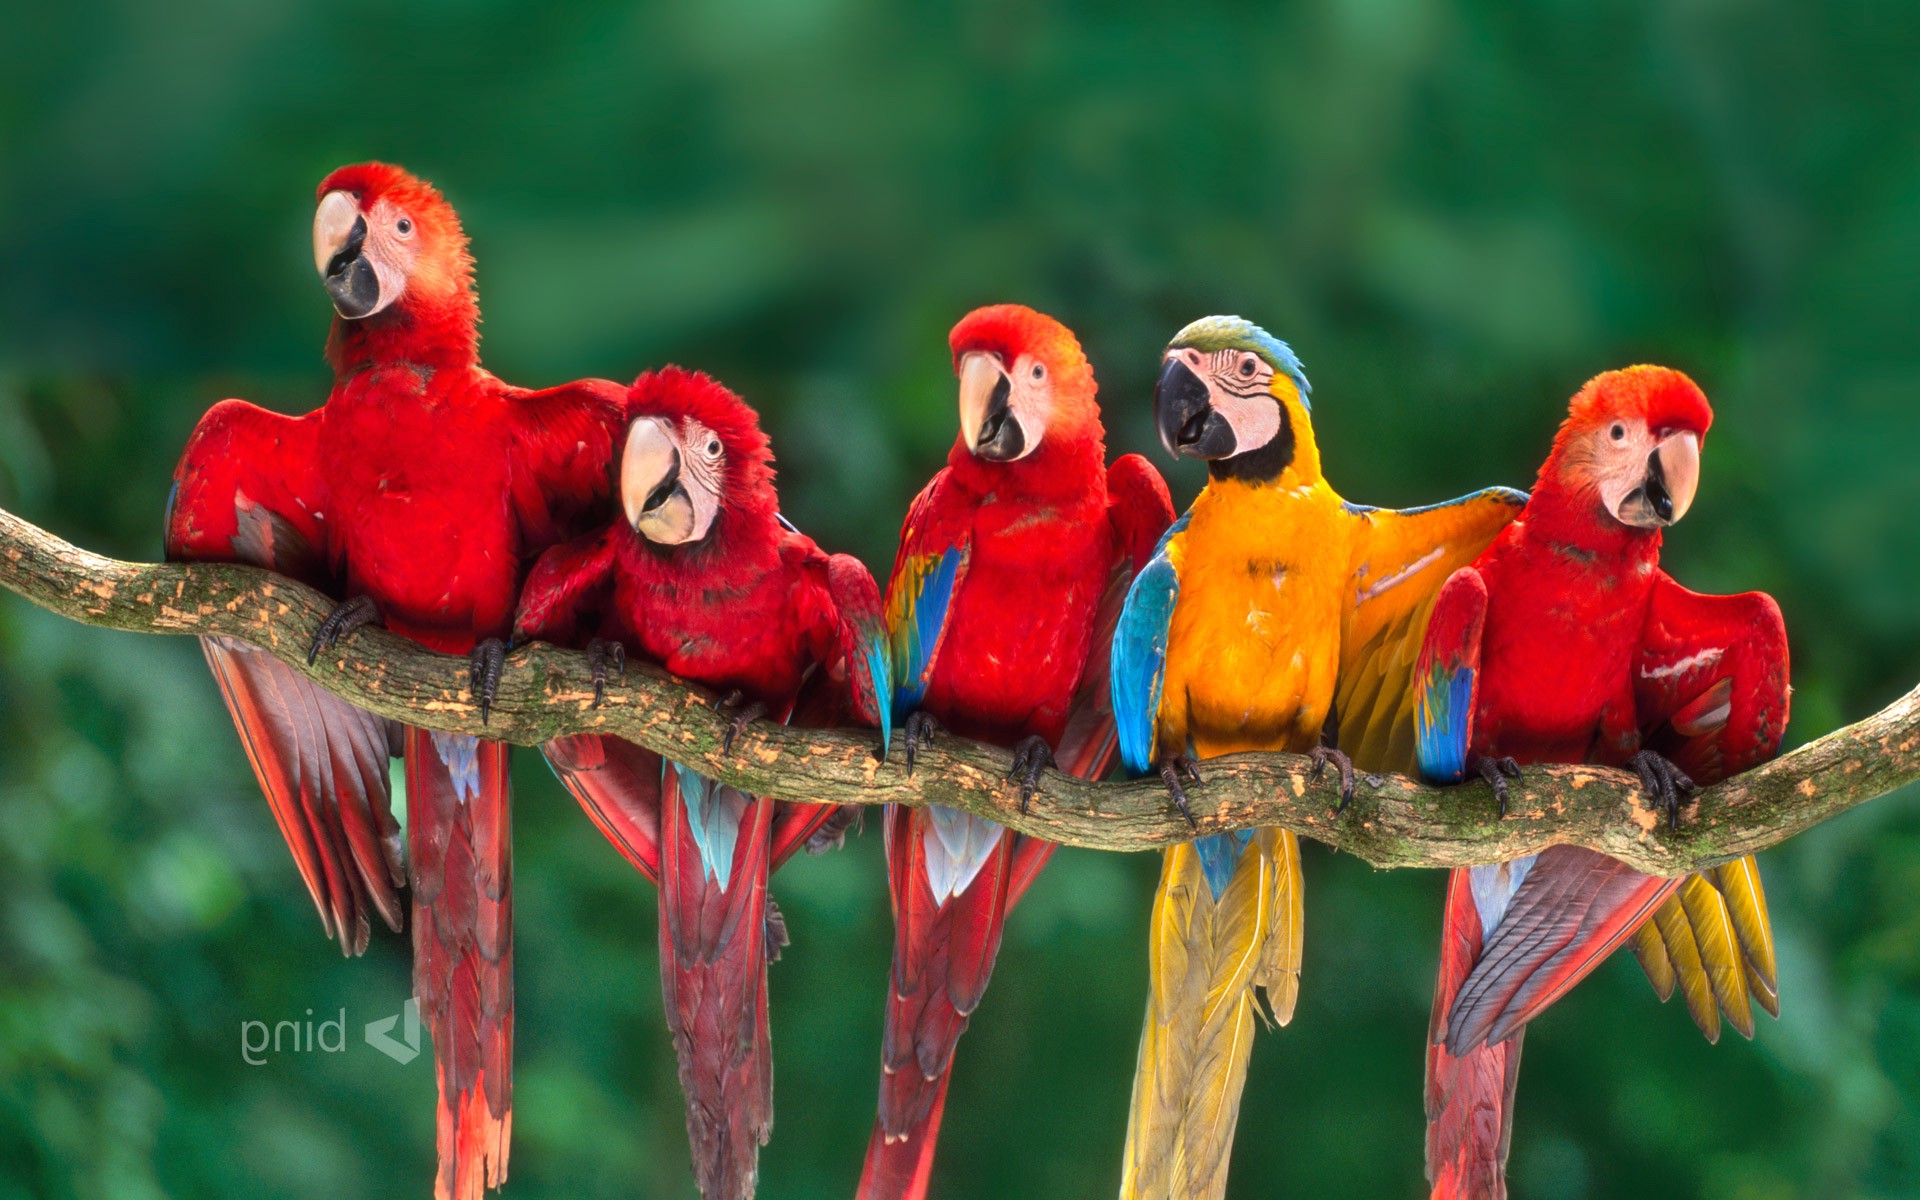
1274	616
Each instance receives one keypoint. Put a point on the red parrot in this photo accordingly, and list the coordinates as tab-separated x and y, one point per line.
421	491
1565	642
705	579
1012	567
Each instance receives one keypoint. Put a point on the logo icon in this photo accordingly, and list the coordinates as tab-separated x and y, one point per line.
405	1048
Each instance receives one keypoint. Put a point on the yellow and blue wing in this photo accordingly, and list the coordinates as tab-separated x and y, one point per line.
1400	560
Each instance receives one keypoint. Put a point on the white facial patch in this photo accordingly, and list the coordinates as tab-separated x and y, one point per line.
1240	387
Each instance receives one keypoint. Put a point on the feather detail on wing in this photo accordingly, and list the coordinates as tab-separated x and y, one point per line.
246	490
1544	933
1711	690
1445	678
1138	660
927	572
1400	560
561	454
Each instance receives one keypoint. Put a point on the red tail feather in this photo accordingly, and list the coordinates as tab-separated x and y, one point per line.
1469	1099
713	971
459	834
902	1168
943	956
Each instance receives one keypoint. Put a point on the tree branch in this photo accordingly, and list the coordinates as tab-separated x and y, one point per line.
1393	821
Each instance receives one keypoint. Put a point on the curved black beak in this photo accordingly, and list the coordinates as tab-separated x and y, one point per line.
989	419
1183	411
349	278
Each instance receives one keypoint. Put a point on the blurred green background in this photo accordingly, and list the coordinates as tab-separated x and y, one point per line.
1456	215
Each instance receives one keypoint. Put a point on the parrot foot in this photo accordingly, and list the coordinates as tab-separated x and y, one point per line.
1171	769
484	665
1030	757
1664	782
1320	757
347	616
777	938
1496	771
917	732
604	658
742	713
832	834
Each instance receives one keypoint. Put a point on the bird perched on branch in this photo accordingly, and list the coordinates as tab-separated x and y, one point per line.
1011	568
1565	642
420	492
1274	616
705	579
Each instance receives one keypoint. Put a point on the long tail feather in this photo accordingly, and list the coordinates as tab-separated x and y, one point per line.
1469	1098
943	956
459	834
713	971
322	764
1739	883
1206	958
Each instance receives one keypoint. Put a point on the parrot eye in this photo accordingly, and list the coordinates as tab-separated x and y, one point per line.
403	227
1618	433
713	448
1039	372
1247	367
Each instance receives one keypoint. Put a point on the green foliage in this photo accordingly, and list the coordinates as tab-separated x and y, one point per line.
1454	214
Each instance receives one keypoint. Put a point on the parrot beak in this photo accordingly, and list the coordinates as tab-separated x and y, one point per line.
1183	410
1663	497
655	501
987	420
339	254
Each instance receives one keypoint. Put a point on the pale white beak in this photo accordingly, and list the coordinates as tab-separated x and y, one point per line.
332	225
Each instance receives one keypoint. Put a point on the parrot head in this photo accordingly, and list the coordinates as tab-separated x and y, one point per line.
1233	394
382	238
1024	384
1631	444
694	454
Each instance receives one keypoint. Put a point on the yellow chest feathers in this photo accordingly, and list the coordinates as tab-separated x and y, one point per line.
1253	650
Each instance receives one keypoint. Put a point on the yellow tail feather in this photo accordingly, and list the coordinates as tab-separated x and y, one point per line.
1677	933
1739	883
1720	954
1206	959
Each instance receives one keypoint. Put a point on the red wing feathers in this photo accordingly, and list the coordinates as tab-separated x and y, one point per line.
563	442
1711	683
1572	910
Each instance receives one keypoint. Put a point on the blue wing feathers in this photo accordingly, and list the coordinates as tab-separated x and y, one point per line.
1139	659
1511	496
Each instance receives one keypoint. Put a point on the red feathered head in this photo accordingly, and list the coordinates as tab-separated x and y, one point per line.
1632	442
385	242
1024	384
694	454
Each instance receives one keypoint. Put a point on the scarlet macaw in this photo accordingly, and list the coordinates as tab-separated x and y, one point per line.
1272	615
704	578
420	491
1011	566
1565	642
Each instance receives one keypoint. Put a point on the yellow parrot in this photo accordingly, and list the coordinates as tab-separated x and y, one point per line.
1274	616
